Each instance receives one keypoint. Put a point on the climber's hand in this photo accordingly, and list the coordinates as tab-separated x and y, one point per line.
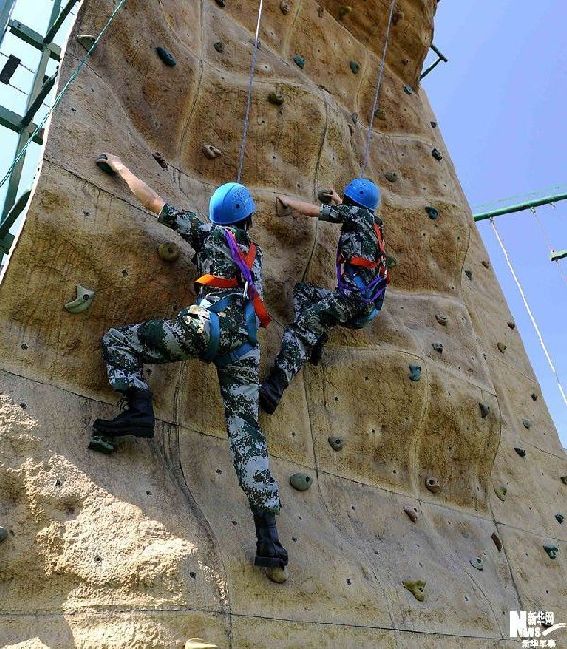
335	198
114	162
283	200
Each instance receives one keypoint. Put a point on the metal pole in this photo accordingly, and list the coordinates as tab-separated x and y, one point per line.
520	207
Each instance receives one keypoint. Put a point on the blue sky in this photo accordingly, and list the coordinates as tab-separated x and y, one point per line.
500	102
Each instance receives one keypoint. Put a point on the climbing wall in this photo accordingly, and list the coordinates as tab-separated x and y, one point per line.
450	471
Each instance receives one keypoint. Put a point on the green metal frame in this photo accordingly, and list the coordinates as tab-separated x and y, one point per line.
440	57
520	207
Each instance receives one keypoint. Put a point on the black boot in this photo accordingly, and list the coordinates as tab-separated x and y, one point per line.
269	551
317	351
137	419
271	390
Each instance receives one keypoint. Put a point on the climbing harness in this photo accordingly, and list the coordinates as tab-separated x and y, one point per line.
371	293
534	323
254	305
249	99
378	88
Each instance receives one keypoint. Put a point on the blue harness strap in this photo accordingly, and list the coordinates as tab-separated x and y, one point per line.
372	293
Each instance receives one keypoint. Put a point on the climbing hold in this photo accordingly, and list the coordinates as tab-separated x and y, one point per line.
501	347
82	302
219	47
285	7
86	40
527	423
432	213
477	563
354	67
354	117
276	98
391	176
325	196
438	347
300	481
468	273
511	325
337	443
344	11
412	513
221	3
415	372
520	451
501	493
484	410
497	541
379	113
533	396
169	251
486	264
437	155
391	262
408	90
397	16
3	534
157	156
432	484
211	152
441	319
197	643
416	588
433	124
552	551
277	575
559	518
101	444
563	479
320	12
103	165
281	209
299	61
166	57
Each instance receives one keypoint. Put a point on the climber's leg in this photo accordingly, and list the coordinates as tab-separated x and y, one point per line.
305	294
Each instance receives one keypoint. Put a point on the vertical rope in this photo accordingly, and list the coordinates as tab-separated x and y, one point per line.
377	91
249	100
534	323
547	240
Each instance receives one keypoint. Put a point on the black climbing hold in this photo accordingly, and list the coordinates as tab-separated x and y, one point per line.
408	90
300	481
501	347
24	346
344	11
416	588
437	154
391	262
559	518
501	493
166	57
354	67
86	40
211	152
533	396
433	124
391	176
379	114
219	47
468	273
412	513
527	423
299	61
441	319
169	251
101	444
563	479
497	541
325	196
103	165
320	12
354	117
221	3
520	451
9	68
3	534
157	156
397	16
415	372
484	410
511	325
432	213
285	7
438	347
477	563
337	443
276	98
552	551
432	483
486	264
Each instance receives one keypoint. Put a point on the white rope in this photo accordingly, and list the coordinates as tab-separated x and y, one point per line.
249	100
378	88
534	323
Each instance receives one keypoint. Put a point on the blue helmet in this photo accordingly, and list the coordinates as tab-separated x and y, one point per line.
363	192
230	203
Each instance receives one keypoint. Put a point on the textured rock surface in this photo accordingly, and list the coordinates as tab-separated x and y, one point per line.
152	545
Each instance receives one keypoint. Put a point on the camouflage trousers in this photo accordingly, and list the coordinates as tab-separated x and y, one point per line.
127	349
317	310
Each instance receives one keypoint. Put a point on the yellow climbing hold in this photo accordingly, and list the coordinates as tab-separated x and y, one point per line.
197	643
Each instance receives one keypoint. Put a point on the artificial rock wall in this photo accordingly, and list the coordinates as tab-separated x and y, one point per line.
153	545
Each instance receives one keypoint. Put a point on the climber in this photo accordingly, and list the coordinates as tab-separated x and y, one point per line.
362	277
220	328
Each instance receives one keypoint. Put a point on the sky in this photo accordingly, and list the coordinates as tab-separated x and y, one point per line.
500	104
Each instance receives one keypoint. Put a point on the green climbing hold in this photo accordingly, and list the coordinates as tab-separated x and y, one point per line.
559	518
497	541
484	410
379	114
468	273
166	57
408	90
501	493
300	481
416	588
277	575
520	451
415	372
325	196
441	319
276	98
344	11
501	347
219	47
437	155
86	40
391	176
354	67
299	61
391	262
354	117
527	423
169	252
103	165
101	444
564	479
477	563
557	255
337	443
3	534
82	302
438	347
432	213
552	551
221	3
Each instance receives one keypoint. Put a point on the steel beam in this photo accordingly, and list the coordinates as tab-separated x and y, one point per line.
520	207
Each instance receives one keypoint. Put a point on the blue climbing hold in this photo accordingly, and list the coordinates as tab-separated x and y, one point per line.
299	61
166	57
230	203
415	372
432	213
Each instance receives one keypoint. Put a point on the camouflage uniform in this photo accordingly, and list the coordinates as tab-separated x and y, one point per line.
317	309
126	349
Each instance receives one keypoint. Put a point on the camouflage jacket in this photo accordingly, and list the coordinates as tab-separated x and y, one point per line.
212	254
358	238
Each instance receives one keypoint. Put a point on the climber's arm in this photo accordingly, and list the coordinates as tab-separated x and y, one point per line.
307	209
